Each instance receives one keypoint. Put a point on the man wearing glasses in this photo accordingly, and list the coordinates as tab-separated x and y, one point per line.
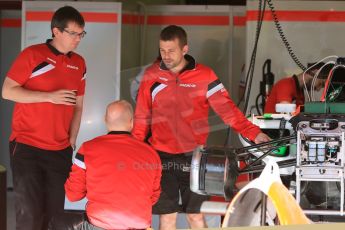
47	82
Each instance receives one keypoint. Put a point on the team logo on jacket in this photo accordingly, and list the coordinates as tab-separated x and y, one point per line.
188	85
73	67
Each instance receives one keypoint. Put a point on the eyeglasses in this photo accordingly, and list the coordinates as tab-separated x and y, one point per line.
75	34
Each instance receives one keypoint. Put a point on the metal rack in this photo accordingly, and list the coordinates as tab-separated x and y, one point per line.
320	157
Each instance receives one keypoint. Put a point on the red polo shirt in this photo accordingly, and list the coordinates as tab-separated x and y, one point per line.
43	68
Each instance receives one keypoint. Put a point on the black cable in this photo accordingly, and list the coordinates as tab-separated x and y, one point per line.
259	168
257	106
253	57
252	62
261	13
282	125
270	150
240	101
283	37
258	160
254	146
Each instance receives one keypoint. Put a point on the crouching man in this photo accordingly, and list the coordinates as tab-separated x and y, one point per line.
118	174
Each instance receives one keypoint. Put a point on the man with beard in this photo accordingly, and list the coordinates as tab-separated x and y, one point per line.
291	90
173	102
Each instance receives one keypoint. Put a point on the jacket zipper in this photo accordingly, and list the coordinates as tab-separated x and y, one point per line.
176	112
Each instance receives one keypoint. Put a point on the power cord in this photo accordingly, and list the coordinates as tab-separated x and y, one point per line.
283	37
249	76
310	67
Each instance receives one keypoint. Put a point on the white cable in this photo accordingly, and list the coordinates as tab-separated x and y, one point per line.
316	75
305	86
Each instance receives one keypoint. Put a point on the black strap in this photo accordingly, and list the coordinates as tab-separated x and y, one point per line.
298	87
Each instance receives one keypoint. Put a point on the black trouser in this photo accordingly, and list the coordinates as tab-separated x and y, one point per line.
88	226
175	180
38	182
69	220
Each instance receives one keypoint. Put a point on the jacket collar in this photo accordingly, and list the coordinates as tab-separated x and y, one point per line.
118	132
190	64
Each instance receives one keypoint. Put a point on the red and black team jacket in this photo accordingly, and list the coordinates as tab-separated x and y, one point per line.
176	107
120	177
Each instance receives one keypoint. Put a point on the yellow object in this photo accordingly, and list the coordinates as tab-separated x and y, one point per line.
288	210
245	207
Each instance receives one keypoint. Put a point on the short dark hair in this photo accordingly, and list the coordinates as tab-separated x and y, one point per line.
325	70
172	32
64	15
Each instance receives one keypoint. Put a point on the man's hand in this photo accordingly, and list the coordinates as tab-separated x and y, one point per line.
12	90
72	141
261	137
63	97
